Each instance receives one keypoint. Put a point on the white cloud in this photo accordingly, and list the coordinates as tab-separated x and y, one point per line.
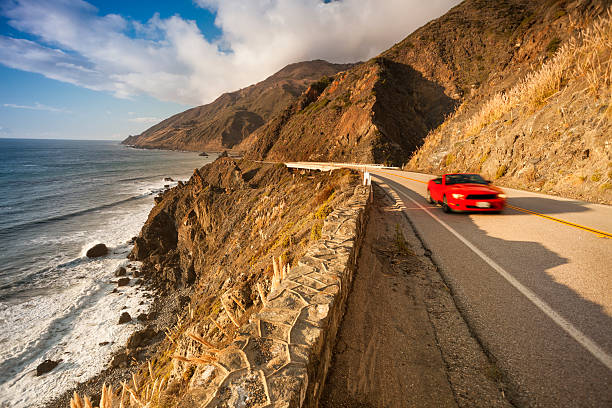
145	120
171	60
36	106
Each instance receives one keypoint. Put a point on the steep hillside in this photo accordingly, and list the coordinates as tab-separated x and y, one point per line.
551	131
381	110
231	117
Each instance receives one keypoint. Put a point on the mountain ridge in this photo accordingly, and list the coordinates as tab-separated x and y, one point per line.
223	123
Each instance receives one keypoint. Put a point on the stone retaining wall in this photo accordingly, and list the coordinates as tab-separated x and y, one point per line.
281	358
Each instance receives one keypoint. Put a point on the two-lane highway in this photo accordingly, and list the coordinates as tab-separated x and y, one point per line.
534	284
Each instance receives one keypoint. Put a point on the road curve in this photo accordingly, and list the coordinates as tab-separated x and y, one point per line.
534	284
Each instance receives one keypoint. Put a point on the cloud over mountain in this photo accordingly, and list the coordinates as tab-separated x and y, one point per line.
170	59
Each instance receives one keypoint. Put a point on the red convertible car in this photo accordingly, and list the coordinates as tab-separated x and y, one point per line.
465	192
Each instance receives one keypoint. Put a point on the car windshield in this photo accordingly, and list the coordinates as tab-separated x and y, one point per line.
464	178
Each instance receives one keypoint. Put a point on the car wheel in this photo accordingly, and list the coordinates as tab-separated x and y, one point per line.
445	206
428	197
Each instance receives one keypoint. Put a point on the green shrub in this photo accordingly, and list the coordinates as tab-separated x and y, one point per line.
315	232
325	209
321	84
553	45
449	159
501	171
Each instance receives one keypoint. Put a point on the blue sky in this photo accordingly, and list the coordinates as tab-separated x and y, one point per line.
107	69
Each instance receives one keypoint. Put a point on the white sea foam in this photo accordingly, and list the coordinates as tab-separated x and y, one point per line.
73	316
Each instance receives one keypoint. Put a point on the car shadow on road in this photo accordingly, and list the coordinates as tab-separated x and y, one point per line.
546	205
534	266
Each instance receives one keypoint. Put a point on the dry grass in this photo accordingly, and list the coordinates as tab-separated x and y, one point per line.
106	401
588	56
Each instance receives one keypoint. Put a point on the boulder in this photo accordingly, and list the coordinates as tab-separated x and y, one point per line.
97	251
119	359
168	179
45	367
123	281
140	337
124	318
121	271
203	154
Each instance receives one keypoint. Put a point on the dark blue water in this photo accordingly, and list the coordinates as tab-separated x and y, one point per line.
57	198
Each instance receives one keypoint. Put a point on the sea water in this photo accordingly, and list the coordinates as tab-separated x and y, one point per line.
57	199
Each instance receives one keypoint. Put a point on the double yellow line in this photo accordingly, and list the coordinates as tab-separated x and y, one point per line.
601	234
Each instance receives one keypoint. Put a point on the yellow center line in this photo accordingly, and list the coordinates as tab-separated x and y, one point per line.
601	234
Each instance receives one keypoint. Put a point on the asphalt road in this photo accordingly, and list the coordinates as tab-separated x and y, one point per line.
536	292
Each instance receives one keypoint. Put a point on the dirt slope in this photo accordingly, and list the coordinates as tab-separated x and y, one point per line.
230	118
403	343
550	131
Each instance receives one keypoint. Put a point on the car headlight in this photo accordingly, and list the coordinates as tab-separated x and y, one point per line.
501	195
458	196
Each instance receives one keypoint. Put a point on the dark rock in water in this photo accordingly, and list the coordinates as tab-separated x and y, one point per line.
124	318
114	290
104	343
136	273
137	281
45	367
97	251
142	317
166	185
140	337
203	154
224	154
121	271
168	179
119	359
123	281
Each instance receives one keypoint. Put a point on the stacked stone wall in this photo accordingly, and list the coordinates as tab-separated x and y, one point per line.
281	358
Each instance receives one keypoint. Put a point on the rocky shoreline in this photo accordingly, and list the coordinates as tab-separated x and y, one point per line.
210	236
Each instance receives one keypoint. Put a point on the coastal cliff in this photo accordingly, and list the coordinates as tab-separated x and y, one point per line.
217	241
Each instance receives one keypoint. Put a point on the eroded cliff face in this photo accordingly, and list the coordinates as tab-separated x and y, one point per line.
227	213
549	131
215	237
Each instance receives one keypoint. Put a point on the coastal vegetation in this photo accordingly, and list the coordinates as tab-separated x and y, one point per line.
239	226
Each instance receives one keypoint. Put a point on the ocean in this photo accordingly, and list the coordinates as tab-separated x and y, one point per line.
57	199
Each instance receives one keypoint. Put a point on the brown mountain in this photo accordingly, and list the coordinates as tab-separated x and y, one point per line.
230	118
548	127
382	110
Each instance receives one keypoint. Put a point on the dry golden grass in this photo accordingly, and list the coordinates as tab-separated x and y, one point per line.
106	401
589	56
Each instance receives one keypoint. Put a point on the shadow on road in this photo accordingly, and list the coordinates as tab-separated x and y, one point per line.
539	355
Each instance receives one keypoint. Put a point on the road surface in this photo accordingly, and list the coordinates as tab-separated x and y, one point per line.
534	284
536	291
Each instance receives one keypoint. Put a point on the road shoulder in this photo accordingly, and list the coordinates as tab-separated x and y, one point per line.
402	341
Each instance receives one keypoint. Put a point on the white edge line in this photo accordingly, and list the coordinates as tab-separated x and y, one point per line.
576	334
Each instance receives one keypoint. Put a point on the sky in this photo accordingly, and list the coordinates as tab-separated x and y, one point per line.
71	69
